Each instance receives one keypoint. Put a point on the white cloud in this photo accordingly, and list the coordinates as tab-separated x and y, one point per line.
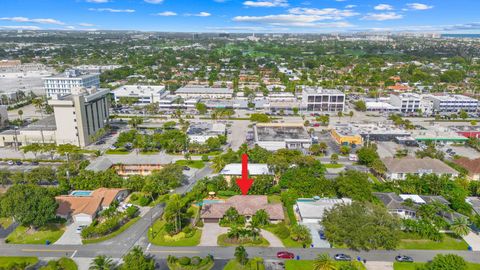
220	1
324	14
113	10
350	6
290	20
382	16
86	24
70	27
418	6
166	13
202	14
154	1
29	20
98	1
383	7
21	27
266	3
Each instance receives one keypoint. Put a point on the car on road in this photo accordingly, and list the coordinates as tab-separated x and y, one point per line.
403	258
342	257
322	236
100	142
186	168
285	255
10	162
80	228
18	162
35	163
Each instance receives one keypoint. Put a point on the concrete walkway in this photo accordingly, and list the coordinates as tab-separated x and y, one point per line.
473	240
371	265
272	239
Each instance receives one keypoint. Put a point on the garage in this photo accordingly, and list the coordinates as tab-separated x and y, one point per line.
83	218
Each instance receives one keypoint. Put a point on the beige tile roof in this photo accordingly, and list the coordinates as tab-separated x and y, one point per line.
472	165
72	205
414	165
246	205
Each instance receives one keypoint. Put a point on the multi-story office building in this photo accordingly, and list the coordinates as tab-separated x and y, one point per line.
80	115
141	94
453	103
406	102
62	84
322	100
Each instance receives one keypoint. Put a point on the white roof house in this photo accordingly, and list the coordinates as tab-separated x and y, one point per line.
311	211
253	169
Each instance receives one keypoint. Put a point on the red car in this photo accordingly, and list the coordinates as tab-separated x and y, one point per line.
285	255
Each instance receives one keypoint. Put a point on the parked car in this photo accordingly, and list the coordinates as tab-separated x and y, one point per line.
18	162
80	228
322	236
342	257
10	162
285	255
403	258
34	163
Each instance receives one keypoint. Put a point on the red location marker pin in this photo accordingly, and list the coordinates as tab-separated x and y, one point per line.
244	183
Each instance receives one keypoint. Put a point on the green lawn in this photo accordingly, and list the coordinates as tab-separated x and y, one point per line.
5	222
159	239
450	242
374	178
413	266
261	242
23	235
177	266
63	263
252	264
274	199
117	152
333	166
111	235
5	262
287	242
196	164
149	152
308	265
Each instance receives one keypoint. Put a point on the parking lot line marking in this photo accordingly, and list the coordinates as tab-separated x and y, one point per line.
48	250
175	251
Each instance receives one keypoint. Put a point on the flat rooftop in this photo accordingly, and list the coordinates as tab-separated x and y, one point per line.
281	132
206	129
320	90
453	98
203	90
139	90
364	129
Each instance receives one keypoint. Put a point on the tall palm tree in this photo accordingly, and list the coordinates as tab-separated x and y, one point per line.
218	163
102	262
460	226
324	262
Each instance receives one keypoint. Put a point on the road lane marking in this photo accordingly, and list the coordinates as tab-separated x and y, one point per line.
175	251
48	250
73	255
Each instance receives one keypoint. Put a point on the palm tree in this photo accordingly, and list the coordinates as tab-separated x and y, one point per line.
241	255
218	163
38	103
102	262
324	262
460	226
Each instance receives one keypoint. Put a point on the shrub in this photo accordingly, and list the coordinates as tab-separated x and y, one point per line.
184	261
144	201
226	193
174	238
134	197
195	260
131	212
205	158
282	231
200	223
171	259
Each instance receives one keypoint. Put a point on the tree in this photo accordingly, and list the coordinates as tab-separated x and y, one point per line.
260	117
67	150
30	205
463	114
460	226
378	167
135	121
334	158
340	114
344	149
260	218
295	110
136	259
355	185
367	155
473	122
201	107
446	262
324	262
34	148
361	225
102	262
301	233
173	212
241	255
38	103
351	113
20	114
360	105
315	149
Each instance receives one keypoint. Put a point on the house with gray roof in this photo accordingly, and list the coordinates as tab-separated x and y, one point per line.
399	168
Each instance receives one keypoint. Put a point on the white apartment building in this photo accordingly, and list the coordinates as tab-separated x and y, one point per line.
80	115
143	94
204	92
62	84
322	100
453	103
406	102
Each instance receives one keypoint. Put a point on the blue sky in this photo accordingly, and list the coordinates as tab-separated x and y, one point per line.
313	16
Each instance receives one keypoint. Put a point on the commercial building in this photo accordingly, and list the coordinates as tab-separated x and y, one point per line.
378	106
399	168
344	135
131	165
312	210
369	132
62	84
80	115
42	131
201	132
274	136
448	104
140	94
246	206
322	100
437	133
406	102
204	92
467	131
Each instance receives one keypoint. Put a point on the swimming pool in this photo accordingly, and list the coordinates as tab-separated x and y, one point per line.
209	202
81	193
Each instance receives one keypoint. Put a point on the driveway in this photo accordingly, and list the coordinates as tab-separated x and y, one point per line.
473	240
315	233
272	239
70	236
210	233
371	265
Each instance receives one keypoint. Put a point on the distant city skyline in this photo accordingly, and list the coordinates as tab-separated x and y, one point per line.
295	16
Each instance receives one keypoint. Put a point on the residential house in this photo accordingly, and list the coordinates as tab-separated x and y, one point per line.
471	165
399	168
312	210
234	170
